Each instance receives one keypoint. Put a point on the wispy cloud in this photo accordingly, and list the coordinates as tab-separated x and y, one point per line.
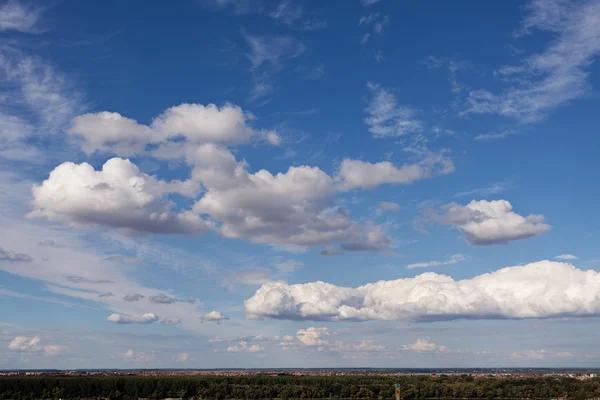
15	16
489	137
268	56
494	188
454	259
551	78
376	22
387	118
294	16
566	257
367	3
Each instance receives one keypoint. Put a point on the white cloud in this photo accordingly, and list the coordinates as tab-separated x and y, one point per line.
214	316
368	346
291	208
38	102
539	354
268	56
494	188
147	318
293	15
183	357
539	290
496	136
367	3
424	345
491	222
551	78
24	343
54	350
377	23
244	347
14	257
312	336
196	123
387	118
566	257
389	206
31	344
455	258
15	16
365	175
118	196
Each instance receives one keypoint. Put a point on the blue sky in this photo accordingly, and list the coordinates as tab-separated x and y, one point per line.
286	183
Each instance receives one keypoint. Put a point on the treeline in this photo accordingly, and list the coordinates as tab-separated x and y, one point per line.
293	387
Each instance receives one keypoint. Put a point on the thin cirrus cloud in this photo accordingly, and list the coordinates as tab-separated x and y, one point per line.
268	55
566	257
543	289
484	223
454	259
490	137
387	118
553	77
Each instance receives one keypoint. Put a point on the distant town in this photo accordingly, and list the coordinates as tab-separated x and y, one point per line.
578	373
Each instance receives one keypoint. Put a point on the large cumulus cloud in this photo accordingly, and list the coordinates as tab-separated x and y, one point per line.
119	196
538	290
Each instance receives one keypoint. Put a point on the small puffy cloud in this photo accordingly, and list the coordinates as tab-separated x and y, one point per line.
133	297
32	344
389	206
106	294
214	316
54	350
118	196
244	347
386	118
544	289
24	343
147	318
366	175
424	345
491	222
566	257
183	357
162	298
15	16
312	336
455	258
170	321
14	257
